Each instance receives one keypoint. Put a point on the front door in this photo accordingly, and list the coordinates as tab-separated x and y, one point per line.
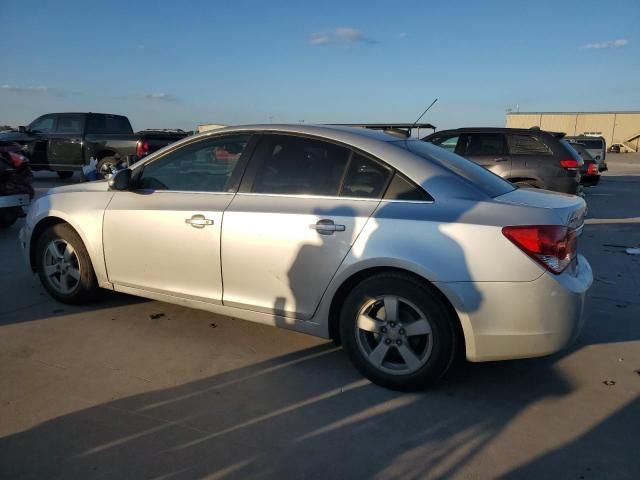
164	236
301	206
488	150
65	143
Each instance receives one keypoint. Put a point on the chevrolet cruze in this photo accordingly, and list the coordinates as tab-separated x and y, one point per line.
406	254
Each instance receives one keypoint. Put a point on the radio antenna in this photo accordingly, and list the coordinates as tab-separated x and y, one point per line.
423	113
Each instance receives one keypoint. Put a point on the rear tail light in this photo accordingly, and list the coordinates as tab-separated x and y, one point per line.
569	164
592	169
142	149
552	246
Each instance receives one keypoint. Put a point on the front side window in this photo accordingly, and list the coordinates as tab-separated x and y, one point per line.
70	123
290	165
201	167
527	145
42	124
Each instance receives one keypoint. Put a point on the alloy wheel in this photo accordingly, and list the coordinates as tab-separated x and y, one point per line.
61	266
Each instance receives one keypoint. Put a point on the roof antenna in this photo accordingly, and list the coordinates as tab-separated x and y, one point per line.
423	113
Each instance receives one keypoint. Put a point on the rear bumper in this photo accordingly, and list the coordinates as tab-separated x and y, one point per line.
522	319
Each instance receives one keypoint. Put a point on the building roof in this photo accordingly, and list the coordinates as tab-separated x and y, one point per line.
574	113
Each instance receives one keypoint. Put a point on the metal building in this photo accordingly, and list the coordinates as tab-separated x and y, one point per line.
615	127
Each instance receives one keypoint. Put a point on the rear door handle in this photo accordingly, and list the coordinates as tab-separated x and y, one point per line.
327	227
198	221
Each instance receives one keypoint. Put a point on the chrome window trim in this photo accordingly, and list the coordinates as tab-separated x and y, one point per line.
328	197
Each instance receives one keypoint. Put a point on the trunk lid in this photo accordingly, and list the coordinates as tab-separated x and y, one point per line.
569	209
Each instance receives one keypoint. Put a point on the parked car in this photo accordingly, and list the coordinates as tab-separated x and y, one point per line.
386	245
16	190
65	142
596	146
526	157
589	173
620	148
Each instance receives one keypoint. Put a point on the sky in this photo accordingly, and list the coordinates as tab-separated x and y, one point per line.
179	64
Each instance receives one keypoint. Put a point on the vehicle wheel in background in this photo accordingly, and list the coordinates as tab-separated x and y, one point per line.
106	165
64	266
525	185
398	332
64	174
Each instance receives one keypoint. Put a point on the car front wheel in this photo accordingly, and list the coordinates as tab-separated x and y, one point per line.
64	266
398	332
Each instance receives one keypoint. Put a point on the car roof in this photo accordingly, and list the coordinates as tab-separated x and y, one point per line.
429	173
530	131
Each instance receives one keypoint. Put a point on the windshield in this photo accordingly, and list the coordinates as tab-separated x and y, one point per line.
483	179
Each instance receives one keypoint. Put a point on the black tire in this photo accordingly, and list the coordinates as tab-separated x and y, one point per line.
64	174
86	290
103	166
443	335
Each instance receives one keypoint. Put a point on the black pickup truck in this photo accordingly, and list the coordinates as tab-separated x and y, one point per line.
65	142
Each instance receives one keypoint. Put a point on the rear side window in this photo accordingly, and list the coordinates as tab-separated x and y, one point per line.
479	144
448	143
290	165
70	123
365	178
527	145
402	188
489	183
105	124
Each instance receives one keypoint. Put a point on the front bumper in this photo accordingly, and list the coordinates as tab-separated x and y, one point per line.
523	319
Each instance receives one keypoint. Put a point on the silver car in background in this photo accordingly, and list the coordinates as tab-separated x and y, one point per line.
405	253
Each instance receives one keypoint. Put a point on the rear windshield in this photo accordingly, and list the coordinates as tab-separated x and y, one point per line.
488	182
116	124
584	153
591	144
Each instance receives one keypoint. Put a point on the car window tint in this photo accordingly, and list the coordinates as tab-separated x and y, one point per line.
290	165
527	145
70	123
592	144
114	124
43	124
202	167
365	178
484	144
448	143
401	188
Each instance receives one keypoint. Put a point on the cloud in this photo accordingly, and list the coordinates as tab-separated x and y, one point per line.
609	44
14	88
160	96
340	35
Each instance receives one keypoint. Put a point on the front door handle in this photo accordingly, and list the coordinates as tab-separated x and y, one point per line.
327	227
198	221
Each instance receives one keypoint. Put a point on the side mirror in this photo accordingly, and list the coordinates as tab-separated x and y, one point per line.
121	180
22	129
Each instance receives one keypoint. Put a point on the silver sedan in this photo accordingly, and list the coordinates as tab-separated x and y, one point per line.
406	254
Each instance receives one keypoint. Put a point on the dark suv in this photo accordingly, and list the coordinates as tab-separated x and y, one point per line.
526	157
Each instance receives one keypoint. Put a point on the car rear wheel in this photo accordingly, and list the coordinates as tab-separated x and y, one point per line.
398	332
64	174
64	266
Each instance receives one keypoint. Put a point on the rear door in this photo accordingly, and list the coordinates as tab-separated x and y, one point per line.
164	236
531	158
488	150
65	142
301	206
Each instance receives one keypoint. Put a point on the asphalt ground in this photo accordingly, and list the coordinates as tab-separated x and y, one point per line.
116	390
